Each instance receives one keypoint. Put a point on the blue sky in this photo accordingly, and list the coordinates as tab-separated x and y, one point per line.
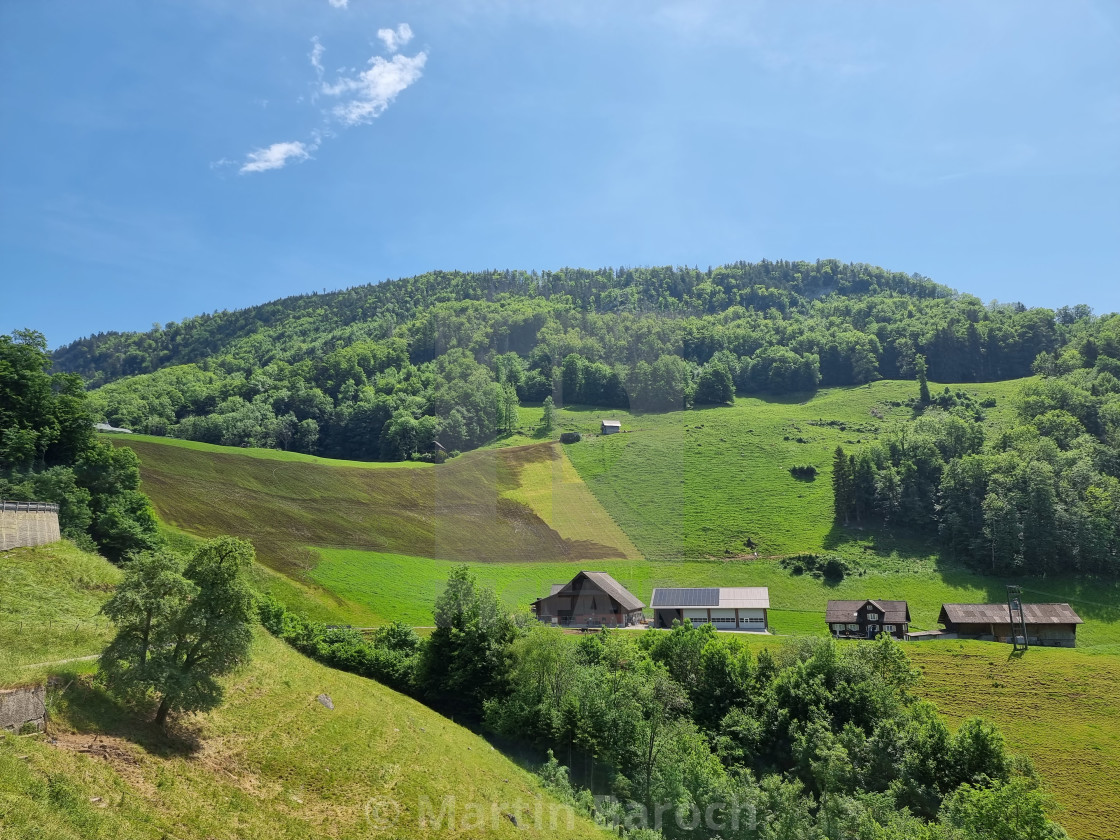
162	159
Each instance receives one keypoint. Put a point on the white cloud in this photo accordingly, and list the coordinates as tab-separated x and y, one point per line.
394	39
340	4
316	56
369	93
276	156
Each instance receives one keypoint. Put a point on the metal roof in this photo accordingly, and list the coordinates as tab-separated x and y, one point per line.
998	614
725	597
842	612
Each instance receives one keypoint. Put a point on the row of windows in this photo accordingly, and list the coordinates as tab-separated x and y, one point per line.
839	628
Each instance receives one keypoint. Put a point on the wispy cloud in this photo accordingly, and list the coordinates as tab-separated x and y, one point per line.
340	4
394	39
276	156
368	94
360	98
316	56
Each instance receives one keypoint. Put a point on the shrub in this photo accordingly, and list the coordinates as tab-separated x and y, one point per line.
806	472
570	437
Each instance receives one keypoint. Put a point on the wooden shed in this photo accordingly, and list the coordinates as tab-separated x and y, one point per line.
867	619
1048	625
590	599
610	427
725	608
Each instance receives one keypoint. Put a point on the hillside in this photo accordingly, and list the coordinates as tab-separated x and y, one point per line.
272	762
49	602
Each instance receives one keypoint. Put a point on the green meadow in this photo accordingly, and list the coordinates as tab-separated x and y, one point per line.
702	483
398	587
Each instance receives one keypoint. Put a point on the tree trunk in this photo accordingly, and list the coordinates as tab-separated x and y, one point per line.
161	712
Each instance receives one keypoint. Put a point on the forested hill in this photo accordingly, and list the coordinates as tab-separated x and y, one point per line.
440	362
306	323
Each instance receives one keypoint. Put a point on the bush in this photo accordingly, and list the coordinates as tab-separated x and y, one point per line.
570	437
806	472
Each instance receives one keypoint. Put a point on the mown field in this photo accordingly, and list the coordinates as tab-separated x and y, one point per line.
465	509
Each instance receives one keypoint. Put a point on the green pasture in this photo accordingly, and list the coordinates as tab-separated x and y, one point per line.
398	587
701	483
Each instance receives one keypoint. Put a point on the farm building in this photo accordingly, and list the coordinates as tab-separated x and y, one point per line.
726	608
867	619
1048	625
590	599
610	427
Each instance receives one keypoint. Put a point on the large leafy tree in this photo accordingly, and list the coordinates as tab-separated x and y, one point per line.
180	626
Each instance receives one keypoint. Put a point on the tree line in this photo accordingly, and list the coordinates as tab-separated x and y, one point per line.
390	371
1041	495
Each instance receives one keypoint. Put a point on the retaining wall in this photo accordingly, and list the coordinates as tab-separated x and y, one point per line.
24	524
22	706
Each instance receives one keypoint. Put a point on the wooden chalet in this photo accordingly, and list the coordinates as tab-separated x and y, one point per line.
590	599
725	608
1048	625
867	619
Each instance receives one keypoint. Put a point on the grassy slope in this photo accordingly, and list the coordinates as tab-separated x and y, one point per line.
701	483
49	602
272	762
460	510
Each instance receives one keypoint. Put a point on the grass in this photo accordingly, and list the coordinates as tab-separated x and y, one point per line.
1059	707
49	602
460	510
394	586
272	762
702	483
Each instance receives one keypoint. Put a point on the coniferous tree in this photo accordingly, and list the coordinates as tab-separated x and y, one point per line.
920	368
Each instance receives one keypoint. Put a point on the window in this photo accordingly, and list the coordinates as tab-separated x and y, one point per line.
755	620
873	616
888	628
837	627
853	627
872	628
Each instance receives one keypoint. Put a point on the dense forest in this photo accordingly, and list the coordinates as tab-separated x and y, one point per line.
685	733
1041	496
48	453
388	371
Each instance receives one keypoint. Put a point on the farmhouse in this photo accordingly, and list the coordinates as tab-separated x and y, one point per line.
590	599
867	619
726	608
610	427
1048	625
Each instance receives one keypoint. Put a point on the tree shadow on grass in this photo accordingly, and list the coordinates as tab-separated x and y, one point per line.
90	710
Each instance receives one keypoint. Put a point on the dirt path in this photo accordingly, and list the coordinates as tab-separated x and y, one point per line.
89	658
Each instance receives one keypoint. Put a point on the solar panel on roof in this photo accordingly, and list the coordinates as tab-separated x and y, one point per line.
686	598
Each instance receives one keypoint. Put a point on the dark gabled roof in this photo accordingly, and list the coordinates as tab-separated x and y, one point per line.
998	614
893	612
605	583
615	589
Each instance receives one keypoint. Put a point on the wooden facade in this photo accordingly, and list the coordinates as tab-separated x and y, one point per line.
867	619
590	599
1048	625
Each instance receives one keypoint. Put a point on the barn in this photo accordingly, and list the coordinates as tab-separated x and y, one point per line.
610	427
867	619
1048	625
725	608
590	599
